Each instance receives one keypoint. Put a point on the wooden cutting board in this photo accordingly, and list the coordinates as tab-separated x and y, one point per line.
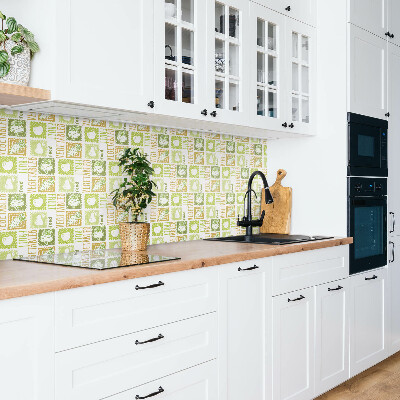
278	214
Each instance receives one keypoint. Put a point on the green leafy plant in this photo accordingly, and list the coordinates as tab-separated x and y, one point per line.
21	36
136	192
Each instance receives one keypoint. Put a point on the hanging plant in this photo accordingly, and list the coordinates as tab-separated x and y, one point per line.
21	39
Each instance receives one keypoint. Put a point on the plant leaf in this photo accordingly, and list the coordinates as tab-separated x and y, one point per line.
2	16
33	46
12	25
17	49
4	69
3	37
26	33
3	56
16	37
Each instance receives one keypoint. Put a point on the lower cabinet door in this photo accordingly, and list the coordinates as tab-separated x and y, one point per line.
197	383
112	366
293	345
368	320
27	348
242	331
332	335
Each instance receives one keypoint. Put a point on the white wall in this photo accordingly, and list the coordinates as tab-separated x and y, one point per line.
317	166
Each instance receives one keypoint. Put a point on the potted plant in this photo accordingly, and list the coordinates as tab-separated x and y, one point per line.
134	194
17	45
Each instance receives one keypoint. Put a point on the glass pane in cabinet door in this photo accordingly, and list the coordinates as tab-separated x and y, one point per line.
188	11
171	84
305	80
233	59
272	104
233	23
187	87
219	56
295	45
170	9
219	94
219	18
305	110
260	102
295	108
295	77
271	37
170	42
272	72
187	47
304	49
260	32
260	67
234	96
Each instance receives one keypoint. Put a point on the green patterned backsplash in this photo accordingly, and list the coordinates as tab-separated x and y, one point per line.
56	174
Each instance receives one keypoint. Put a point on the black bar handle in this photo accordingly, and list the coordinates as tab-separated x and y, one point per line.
160	390
159	337
393	255
150	286
372	278
299	298
333	290
249	269
393	222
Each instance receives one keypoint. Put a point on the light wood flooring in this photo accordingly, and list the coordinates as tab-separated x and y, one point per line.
381	382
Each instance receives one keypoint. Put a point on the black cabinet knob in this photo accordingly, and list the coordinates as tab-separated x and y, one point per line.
204	112
284	124
150	104
213	114
387	114
387	34
291	125
288	8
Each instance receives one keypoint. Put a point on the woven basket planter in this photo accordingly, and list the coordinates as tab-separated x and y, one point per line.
134	235
133	258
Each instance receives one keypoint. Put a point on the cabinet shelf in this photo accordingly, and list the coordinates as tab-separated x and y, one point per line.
11	95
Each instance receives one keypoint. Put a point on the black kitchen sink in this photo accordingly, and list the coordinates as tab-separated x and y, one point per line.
270	238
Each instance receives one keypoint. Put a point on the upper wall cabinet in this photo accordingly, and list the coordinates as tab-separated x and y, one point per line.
367	75
104	58
393	21
302	10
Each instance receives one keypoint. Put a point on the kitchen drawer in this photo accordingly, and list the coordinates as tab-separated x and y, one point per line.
90	314
105	368
308	268
197	383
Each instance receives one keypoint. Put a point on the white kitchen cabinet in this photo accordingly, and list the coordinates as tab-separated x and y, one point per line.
394	294
293	345
393	138
332	335
370	15
367	73
27	348
393	7
197	383
242	330
368	320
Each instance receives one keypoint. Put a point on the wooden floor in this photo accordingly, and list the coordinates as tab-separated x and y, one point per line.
381	382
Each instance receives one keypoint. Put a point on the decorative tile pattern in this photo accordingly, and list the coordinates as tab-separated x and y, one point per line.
56	174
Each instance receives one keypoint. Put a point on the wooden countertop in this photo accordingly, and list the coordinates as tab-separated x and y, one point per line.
19	278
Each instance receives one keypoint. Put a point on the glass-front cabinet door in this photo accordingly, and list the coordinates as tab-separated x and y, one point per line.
300	50
267	60
180	57
227	57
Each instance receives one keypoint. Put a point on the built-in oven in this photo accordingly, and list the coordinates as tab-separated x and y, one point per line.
367	223
367	146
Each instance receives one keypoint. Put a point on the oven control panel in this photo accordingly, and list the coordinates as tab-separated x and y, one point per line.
367	187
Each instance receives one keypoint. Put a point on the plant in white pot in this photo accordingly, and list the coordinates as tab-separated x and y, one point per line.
17	45
134	194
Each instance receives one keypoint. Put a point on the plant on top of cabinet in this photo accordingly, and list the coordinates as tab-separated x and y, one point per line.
17	44
133	196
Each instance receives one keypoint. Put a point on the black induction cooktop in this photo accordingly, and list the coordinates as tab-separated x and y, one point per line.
98	259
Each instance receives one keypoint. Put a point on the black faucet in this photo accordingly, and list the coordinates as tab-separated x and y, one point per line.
247	220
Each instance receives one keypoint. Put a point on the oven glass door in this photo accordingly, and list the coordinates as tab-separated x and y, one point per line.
365	146
368	226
